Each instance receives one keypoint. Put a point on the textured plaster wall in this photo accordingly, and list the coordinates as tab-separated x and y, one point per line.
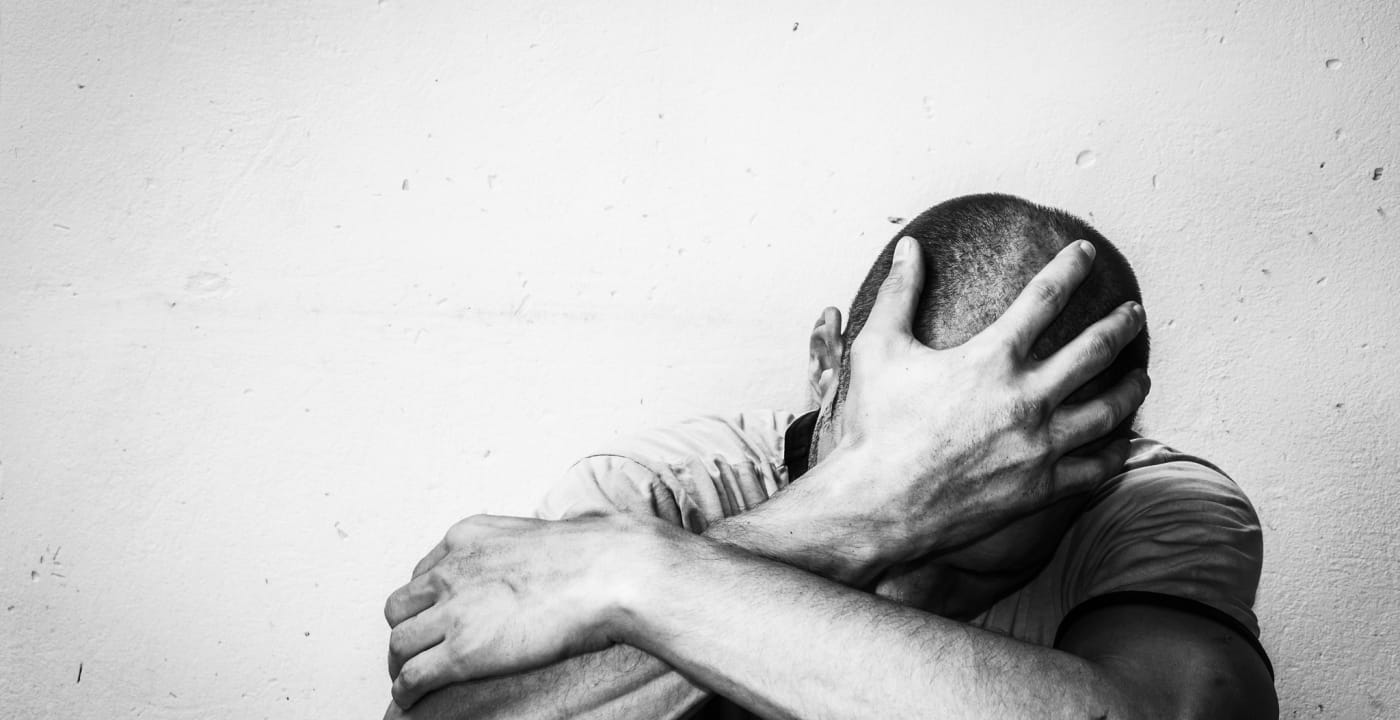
287	287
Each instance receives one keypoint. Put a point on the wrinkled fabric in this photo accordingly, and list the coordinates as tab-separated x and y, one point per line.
691	473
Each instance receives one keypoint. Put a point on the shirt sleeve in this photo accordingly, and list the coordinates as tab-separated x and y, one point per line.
691	473
1171	526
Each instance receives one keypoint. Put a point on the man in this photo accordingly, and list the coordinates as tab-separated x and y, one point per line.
976	484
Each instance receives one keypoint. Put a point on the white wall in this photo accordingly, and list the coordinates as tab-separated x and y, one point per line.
287	287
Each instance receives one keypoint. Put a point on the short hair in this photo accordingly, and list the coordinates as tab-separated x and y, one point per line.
979	253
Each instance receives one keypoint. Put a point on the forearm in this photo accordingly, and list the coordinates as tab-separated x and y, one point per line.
788	644
619	682
622	681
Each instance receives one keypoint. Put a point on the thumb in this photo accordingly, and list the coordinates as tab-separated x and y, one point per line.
893	313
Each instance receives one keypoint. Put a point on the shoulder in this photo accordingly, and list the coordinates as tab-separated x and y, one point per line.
1164	569
1174	496
1161	483
691	472
1170	524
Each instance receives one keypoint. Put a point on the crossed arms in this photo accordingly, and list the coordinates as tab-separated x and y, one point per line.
588	617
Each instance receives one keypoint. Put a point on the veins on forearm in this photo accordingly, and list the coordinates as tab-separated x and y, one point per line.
798	528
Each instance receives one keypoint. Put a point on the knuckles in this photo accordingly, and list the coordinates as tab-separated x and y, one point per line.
459	646
458	622
398	652
443	578
1032	408
1046	292
408	682
1105	422
462	649
464	531
1099	350
894	282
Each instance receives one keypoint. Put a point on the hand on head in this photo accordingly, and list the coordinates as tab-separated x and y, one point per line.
995	446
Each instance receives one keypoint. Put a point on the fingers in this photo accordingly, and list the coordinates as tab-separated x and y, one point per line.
1045	296
415	635
1075	474
898	297
432	558
422	674
751	484
1091	352
418	595
729	496
1074	425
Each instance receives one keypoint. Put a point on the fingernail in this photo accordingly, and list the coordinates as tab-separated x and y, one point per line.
1136	310
903	247
1087	248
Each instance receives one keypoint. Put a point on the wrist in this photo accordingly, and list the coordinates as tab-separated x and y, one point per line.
817	524
869	530
643	549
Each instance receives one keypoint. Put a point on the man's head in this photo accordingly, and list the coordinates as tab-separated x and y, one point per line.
979	252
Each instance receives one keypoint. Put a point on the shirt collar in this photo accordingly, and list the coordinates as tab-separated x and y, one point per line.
797	444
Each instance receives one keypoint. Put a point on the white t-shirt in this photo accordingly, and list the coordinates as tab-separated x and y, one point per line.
1169	529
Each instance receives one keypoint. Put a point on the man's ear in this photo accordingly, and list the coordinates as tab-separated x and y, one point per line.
824	352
